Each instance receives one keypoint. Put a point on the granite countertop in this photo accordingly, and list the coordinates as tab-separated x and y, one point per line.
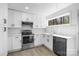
42	33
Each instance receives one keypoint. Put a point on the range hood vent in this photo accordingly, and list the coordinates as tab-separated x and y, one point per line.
27	23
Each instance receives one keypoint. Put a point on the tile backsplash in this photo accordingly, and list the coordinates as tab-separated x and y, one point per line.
62	30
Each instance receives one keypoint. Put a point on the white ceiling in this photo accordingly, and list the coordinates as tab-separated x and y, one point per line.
39	8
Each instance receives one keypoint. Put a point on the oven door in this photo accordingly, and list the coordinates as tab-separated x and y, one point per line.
27	42
27	39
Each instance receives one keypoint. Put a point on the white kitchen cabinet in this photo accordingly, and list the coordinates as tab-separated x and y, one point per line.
37	40
45	39
17	42
48	42
44	22
14	43
10	18
15	18
41	39
27	17
10	43
39	21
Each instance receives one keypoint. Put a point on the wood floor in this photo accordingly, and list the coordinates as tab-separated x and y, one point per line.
38	51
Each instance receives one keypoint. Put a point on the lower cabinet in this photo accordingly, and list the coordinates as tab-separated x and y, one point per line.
48	42
44	39
14	43
10	43
37	40
17	42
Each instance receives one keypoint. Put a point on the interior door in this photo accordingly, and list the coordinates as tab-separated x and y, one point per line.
3	32
1	40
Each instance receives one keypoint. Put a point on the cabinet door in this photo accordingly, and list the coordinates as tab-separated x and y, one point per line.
44	22
17	19
10	18
26	17
14	18
49	42
10	43
37	40
36	22
41	39
46	42
17	42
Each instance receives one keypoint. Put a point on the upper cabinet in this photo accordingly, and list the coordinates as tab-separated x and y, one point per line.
39	22
17	19
14	19
36	21
10	18
27	17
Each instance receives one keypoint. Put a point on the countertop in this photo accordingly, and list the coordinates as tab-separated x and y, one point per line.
42	33
63	36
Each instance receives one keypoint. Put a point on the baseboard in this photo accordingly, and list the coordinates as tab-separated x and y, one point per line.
38	46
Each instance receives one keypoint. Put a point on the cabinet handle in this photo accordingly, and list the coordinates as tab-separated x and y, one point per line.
5	21
47	40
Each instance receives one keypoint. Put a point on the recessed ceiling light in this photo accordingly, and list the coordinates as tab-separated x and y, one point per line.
26	7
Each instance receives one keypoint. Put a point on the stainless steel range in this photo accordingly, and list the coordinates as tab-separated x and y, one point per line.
27	39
